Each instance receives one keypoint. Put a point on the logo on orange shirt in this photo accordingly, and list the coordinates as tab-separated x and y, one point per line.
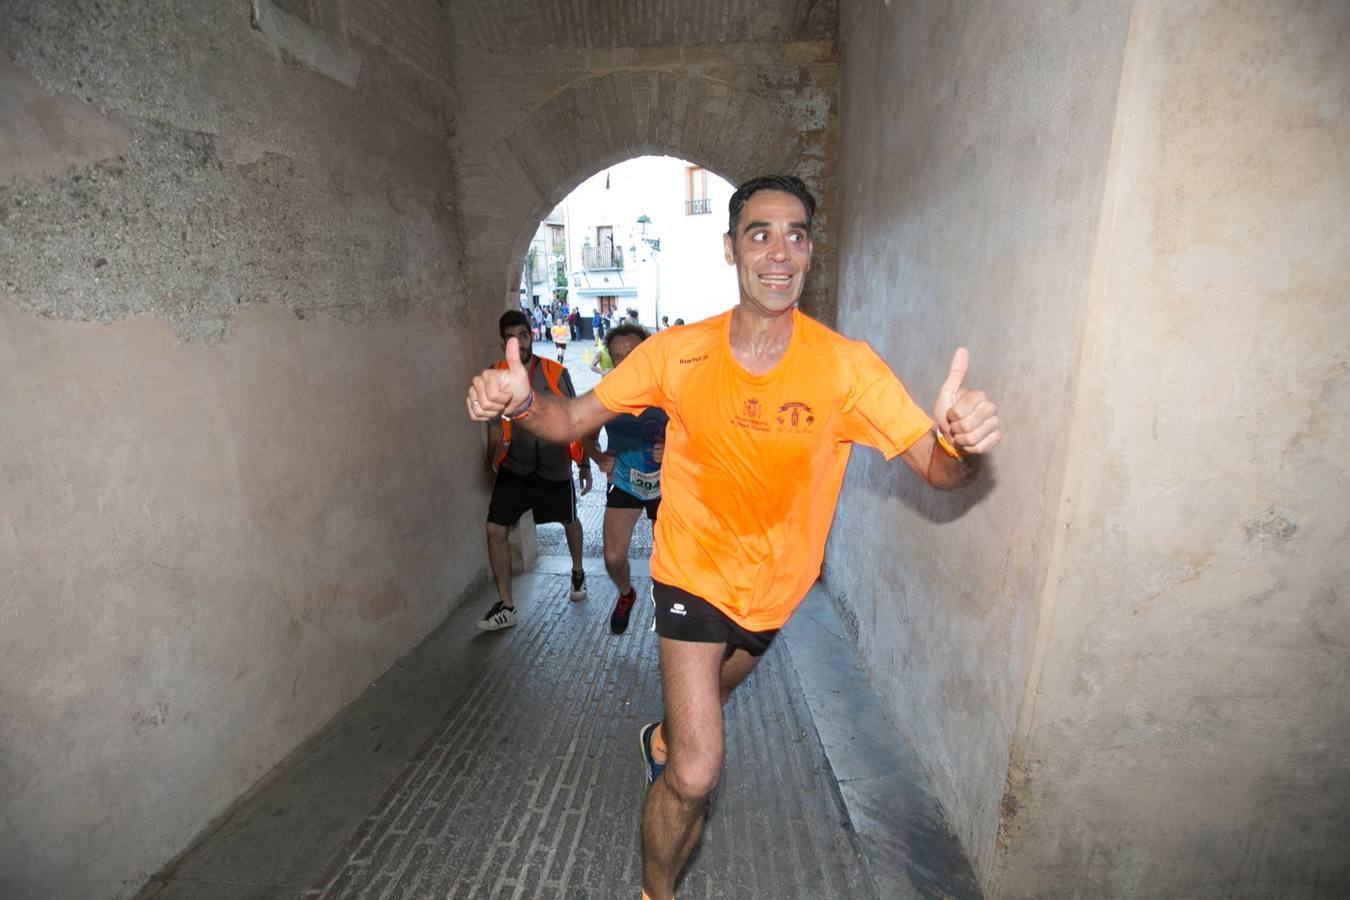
749	417
795	417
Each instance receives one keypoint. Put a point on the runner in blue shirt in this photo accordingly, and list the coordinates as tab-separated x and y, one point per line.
632	460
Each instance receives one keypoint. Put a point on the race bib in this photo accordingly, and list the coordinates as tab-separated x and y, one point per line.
644	485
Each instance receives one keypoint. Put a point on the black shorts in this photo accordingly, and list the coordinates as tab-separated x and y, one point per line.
512	495
618	498
681	616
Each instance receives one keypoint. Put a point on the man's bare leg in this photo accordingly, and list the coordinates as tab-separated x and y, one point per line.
696	681
619	525
573	531
672	816
735	670
499	558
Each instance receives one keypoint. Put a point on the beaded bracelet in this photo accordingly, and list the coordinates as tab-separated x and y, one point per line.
523	411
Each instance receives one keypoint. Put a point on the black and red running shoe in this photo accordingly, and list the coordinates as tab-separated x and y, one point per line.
623	607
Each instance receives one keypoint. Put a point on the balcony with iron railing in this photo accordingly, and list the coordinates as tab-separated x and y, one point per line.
697	207
606	257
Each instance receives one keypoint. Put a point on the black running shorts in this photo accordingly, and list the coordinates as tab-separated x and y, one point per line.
618	498
681	616
512	495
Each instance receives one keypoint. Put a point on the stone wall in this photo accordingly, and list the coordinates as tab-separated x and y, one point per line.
1121	658
971	186
233	336
547	101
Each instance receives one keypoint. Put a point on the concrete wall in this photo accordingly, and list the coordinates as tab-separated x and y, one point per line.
974	139
1186	729
232	341
1136	217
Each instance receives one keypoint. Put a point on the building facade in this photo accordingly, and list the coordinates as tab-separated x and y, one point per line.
644	240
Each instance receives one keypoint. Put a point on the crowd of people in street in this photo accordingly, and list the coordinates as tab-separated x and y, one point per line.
544	319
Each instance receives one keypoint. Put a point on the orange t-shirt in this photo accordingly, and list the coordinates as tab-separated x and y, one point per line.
753	463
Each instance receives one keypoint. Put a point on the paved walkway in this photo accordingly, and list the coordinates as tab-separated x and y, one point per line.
505	764
531	786
590	507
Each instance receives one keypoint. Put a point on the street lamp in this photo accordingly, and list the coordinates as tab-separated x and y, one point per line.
655	243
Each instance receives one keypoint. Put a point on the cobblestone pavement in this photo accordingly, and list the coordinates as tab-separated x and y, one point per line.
505	764
591	511
532	786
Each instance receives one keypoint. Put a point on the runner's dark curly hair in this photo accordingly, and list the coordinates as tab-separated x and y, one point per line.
629	328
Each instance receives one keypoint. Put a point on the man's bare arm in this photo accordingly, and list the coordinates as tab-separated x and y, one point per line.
604	459
561	420
938	468
507	393
968	426
494	442
590	445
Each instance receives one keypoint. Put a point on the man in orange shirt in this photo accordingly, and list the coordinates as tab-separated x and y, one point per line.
765	405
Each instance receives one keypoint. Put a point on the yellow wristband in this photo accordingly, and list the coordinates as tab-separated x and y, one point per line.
947	446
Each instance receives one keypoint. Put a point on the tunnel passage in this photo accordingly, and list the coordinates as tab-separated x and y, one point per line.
243	279
245	249
598	121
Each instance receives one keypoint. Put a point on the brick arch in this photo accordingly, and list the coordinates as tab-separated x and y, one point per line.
596	122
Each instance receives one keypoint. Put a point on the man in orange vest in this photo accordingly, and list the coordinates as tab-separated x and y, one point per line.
765	406
526	473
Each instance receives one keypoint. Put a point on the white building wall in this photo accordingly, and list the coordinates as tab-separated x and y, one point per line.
695	280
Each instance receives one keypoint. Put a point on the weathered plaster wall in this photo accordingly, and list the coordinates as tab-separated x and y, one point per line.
232	337
551	94
1138	218
1186	734
263	182
974	139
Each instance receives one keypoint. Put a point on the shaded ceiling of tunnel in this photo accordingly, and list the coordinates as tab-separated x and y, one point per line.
513	25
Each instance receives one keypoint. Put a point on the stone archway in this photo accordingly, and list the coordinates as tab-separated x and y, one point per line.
599	121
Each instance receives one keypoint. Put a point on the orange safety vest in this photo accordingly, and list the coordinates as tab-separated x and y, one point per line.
553	372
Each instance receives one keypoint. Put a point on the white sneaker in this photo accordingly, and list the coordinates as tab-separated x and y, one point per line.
500	616
578	586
